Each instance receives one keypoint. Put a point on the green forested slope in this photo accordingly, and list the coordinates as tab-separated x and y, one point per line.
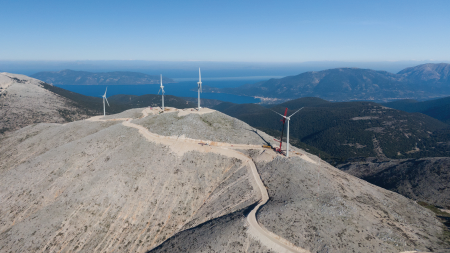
353	129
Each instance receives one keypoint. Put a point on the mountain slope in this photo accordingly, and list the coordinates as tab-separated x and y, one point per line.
122	183
25	101
436	108
434	74
424	179
71	77
333	84
352	129
95	186
346	84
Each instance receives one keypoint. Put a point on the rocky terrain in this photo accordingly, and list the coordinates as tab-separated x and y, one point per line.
424	179
25	101
321	209
100	186
187	180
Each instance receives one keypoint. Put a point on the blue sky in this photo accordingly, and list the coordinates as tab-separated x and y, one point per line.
242	31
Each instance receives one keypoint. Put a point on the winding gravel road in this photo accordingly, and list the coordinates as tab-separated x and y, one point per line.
182	145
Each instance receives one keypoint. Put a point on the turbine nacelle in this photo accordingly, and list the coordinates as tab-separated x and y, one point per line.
161	87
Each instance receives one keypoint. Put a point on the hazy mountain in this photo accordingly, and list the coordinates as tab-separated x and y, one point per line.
71	77
345	84
428	74
351	129
436	108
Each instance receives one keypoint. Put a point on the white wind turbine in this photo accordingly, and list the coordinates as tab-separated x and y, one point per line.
199	83
288	119
104	98
161	88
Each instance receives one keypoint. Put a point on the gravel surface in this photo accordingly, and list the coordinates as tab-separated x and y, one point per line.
132	113
224	234
323	209
23	101
214	126
101	186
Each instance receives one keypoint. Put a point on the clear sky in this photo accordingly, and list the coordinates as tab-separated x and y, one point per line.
243	31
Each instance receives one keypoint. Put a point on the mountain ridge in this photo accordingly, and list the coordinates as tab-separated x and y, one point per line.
348	84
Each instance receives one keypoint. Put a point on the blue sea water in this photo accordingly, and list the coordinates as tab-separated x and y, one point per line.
180	89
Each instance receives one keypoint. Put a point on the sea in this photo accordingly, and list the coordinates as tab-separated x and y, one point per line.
183	88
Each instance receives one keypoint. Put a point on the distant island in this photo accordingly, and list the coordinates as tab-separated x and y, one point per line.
71	77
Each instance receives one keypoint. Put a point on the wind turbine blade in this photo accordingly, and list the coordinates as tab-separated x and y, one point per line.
277	113
199	75
296	112
161	79
107	101
159	91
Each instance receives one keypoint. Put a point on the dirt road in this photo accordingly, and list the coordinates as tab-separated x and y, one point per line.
182	145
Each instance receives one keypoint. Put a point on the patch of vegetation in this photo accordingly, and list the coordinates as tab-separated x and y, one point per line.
434	209
347	130
3	130
444	217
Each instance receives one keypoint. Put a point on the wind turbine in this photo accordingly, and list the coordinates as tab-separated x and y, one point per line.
104	98
161	88
199	83
284	119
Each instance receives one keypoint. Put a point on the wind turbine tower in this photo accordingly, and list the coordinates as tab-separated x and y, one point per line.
161	88
288	119
199	84
104	98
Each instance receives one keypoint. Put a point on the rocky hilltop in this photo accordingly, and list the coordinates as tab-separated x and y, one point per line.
25	100
190	181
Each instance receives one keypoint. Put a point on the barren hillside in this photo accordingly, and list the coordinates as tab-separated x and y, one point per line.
189	181
24	101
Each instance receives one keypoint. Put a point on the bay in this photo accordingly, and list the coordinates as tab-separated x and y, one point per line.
180	89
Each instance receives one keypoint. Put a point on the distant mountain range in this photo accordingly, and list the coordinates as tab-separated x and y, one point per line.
71	77
345	84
